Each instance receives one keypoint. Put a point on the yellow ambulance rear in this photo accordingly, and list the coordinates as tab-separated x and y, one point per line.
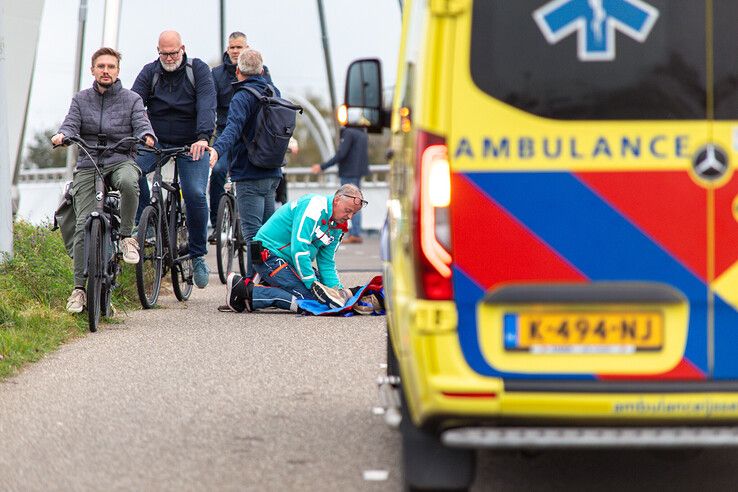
561	246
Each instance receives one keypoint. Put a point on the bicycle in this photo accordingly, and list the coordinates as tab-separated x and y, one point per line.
102	235
164	218
228	238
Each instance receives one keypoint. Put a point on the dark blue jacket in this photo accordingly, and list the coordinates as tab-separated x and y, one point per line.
352	156
242	115
224	77
180	114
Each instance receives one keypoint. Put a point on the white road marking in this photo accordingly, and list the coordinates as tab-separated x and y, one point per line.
376	475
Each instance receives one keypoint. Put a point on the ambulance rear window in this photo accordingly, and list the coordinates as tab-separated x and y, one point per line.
663	77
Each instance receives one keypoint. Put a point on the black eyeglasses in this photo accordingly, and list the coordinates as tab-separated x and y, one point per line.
170	54
358	201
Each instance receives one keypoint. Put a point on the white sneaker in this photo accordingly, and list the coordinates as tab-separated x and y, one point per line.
130	250
77	301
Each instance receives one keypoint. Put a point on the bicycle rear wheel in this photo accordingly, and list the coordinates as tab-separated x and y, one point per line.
179	246
95	274
225	238
149	268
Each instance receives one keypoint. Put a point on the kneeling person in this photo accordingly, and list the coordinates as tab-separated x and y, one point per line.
305	230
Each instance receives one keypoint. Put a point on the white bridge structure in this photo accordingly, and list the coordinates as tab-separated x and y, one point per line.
40	190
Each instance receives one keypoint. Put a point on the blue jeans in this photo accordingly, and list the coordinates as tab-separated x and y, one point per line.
193	178
285	286
355	229
217	183
255	200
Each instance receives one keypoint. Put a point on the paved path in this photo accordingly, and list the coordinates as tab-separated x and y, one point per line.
187	398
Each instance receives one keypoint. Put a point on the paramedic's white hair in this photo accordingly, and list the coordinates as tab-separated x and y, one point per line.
350	190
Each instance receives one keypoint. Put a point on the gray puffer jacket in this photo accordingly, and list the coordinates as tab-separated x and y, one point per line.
116	113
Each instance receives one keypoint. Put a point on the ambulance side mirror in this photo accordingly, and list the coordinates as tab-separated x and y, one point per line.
363	96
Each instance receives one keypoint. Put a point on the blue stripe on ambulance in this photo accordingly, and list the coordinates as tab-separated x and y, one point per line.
601	243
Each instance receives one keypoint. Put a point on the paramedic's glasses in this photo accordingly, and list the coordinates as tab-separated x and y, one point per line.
169	54
358	201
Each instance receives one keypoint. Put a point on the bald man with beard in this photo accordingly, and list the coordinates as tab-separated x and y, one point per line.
179	95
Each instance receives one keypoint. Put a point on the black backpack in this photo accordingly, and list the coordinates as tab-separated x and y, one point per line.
274	126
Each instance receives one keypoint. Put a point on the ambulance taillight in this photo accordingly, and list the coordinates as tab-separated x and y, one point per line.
432	227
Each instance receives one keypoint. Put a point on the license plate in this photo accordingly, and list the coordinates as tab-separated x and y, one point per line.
583	332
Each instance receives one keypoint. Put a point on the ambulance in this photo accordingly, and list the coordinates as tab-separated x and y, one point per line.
561	243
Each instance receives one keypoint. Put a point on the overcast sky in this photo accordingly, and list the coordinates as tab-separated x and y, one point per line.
287	32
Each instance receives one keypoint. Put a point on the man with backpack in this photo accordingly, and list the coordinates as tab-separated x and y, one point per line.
224	76
179	95
256	151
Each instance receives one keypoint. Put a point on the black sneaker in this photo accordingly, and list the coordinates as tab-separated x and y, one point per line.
236	293
212	238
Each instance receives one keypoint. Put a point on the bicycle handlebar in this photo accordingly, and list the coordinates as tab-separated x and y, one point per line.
169	152
77	140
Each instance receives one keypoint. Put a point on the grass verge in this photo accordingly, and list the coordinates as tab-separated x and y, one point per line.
34	286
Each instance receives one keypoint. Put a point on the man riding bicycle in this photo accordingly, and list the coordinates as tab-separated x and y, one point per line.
179	95
102	115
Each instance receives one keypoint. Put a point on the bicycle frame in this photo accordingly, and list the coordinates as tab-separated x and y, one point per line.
102	279
169	219
157	200
110	247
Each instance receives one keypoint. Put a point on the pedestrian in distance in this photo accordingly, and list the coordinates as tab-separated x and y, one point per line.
102	114
304	231
224	76
352	158
255	185
179	95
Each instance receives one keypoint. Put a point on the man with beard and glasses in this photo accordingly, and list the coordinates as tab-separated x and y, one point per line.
109	112
179	95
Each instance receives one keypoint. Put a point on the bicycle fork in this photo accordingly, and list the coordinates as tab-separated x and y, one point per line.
108	248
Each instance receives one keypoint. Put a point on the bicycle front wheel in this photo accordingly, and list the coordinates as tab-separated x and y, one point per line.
179	246
149	267
95	274
225	238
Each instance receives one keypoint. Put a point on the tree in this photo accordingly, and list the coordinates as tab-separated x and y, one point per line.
40	154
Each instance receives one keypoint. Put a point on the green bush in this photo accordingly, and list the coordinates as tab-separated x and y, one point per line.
34	286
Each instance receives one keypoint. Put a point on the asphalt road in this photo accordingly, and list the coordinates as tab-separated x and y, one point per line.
188	398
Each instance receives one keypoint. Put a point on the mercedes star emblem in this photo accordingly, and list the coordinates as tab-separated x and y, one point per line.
711	162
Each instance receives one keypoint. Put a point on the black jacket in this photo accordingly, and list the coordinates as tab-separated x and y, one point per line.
180	114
